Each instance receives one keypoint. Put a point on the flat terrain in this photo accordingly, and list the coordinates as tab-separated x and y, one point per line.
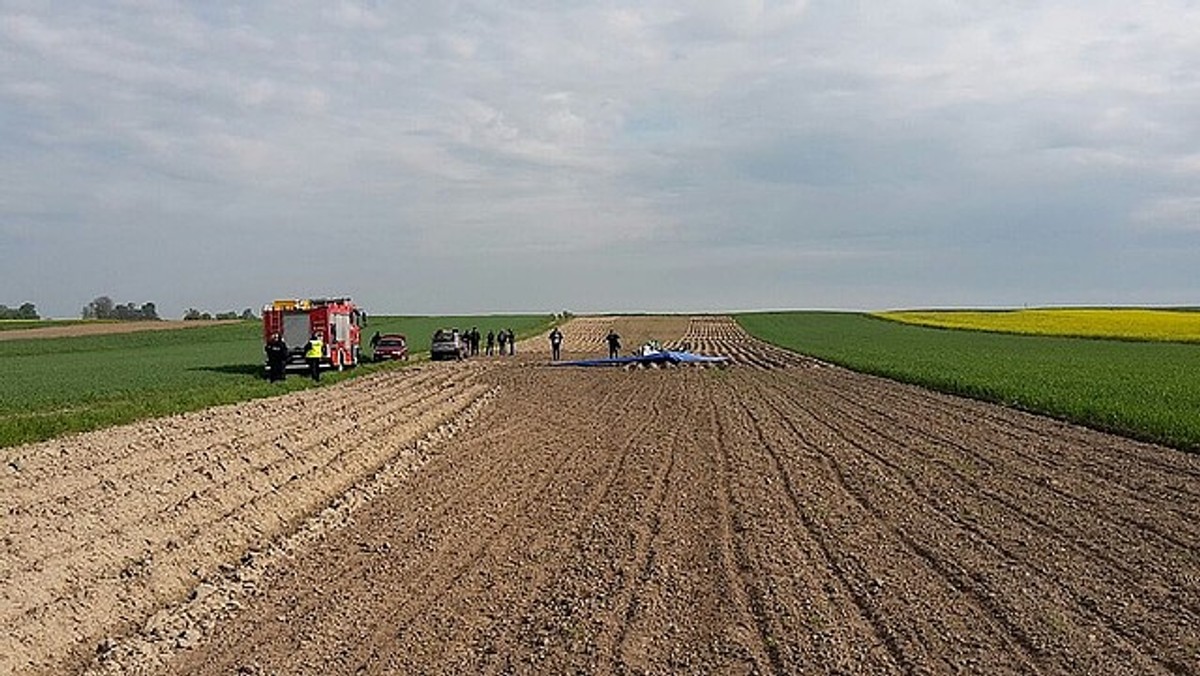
503	516
74	330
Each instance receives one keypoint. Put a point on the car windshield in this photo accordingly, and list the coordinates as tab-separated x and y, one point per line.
443	335
391	343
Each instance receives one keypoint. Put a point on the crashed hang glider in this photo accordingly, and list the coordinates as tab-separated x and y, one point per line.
649	355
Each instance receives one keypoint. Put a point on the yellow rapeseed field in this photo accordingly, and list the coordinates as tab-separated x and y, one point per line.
1128	324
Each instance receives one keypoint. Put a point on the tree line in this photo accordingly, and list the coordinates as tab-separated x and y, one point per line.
193	314
103	307
26	311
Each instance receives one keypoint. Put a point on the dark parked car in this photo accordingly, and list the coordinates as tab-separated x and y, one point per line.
447	344
391	346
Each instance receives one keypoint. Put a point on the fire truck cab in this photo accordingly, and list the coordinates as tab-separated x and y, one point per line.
336	320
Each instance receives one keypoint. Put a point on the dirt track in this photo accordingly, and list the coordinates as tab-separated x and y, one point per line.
101	328
776	516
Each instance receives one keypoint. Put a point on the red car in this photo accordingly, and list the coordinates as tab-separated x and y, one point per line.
391	346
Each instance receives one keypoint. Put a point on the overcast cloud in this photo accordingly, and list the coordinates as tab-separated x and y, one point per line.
488	156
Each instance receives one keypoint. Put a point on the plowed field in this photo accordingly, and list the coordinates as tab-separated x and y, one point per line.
502	516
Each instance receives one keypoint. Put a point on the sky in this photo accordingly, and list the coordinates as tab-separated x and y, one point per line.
482	156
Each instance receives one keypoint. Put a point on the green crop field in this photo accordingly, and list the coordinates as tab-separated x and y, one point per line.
62	385
1147	390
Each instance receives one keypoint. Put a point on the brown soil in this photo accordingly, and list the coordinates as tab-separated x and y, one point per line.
503	516
104	328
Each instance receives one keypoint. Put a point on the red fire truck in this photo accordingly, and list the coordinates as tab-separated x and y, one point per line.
336	320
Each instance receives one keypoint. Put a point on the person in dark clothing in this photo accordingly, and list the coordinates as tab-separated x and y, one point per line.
474	340
614	344
512	343
556	339
491	342
502	338
375	341
277	353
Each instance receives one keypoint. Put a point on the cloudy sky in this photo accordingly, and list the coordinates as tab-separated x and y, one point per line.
599	155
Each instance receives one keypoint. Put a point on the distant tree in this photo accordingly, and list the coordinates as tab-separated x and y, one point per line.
125	312
100	308
193	314
104	308
26	311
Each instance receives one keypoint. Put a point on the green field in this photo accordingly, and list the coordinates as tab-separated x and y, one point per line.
61	385
1147	390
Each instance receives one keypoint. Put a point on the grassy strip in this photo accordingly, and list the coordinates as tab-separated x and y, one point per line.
1121	323
58	386
1140	389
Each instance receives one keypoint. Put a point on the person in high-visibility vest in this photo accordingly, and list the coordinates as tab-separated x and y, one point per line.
313	351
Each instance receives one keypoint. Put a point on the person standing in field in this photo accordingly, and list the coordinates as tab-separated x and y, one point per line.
277	352
614	344
502	338
314	349
474	341
512	343
556	339
491	343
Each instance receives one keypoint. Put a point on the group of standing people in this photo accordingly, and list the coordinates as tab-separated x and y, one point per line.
314	349
472	339
506	339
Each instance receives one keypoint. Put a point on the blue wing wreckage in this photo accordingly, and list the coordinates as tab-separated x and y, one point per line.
650	354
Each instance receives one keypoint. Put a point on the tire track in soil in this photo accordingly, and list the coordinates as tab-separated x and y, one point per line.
1091	565
658	627
1070	506
1018	645
530	634
1038	448
1120	502
836	563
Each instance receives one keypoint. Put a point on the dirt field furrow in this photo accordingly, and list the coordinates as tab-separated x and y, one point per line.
1105	474
497	516
808	611
863	552
1061	533
1083	516
227	482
